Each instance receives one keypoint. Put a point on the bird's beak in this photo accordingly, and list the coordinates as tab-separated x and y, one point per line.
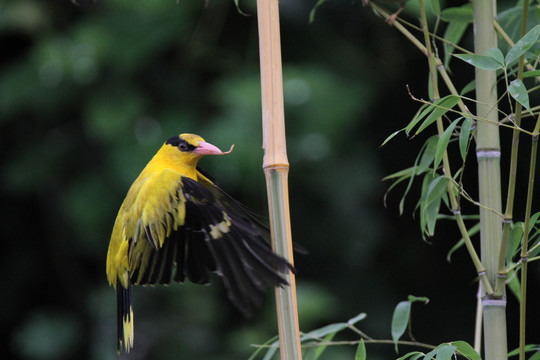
205	148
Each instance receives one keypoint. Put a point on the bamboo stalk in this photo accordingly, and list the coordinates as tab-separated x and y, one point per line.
524	246
276	167
488	154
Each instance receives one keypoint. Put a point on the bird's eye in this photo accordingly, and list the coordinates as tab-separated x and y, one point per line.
183	146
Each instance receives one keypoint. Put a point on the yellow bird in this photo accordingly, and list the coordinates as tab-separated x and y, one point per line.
176	224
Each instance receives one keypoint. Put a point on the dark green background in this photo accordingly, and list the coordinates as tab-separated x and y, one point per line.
88	93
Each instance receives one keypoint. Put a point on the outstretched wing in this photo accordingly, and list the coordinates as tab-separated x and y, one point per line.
198	228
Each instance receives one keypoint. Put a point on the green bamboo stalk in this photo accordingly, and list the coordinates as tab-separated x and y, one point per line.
488	154
524	246
508	214
276	167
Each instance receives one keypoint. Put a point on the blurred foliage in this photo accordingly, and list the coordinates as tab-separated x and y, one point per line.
88	92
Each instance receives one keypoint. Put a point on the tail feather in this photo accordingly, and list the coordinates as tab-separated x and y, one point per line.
125	318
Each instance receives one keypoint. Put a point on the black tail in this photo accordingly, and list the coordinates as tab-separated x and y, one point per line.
124	310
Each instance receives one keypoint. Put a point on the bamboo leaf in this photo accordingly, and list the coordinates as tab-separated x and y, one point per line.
466	350
533	220
420	114
390	137
439	108
413	298
313	11
322	332
536	356
357	318
400	320
435	7
236	3
320	349
496	54
519	92
445	352
523	45
431	355
360	351
464	136
468	88
514	240
514	285
453	35
528	348
458	14
442	144
436	188
472	231
271	350
480	61
415	355
270	342
531	73
430	210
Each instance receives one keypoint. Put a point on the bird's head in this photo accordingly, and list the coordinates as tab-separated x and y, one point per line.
192	147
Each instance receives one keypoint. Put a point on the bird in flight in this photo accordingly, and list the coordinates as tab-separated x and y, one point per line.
176	224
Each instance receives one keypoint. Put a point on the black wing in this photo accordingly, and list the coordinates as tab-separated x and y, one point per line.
219	235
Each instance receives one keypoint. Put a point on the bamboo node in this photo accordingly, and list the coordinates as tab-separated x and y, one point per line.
493	302
488	153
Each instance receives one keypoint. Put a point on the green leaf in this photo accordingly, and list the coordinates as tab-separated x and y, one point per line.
519	92
415	355
468	88
320	349
453	34
400	319
435	7
462	14
314	10
533	220
523	45
445	352
532	73
432	203
472	231
442	144
360	351
466	350
436	188
357	318
413	299
322	332
464	136
430	355
237	4
514	285
390	137
272	341
536	356
528	348
480	61
438	109
514	240
496	54
271	350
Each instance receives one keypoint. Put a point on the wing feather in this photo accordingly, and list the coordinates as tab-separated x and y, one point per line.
190	229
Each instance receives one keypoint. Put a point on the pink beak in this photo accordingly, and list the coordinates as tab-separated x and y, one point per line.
205	148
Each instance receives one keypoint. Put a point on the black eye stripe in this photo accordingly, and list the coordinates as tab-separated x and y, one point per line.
181	144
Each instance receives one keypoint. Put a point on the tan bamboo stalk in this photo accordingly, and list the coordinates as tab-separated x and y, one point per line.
488	155
276	168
